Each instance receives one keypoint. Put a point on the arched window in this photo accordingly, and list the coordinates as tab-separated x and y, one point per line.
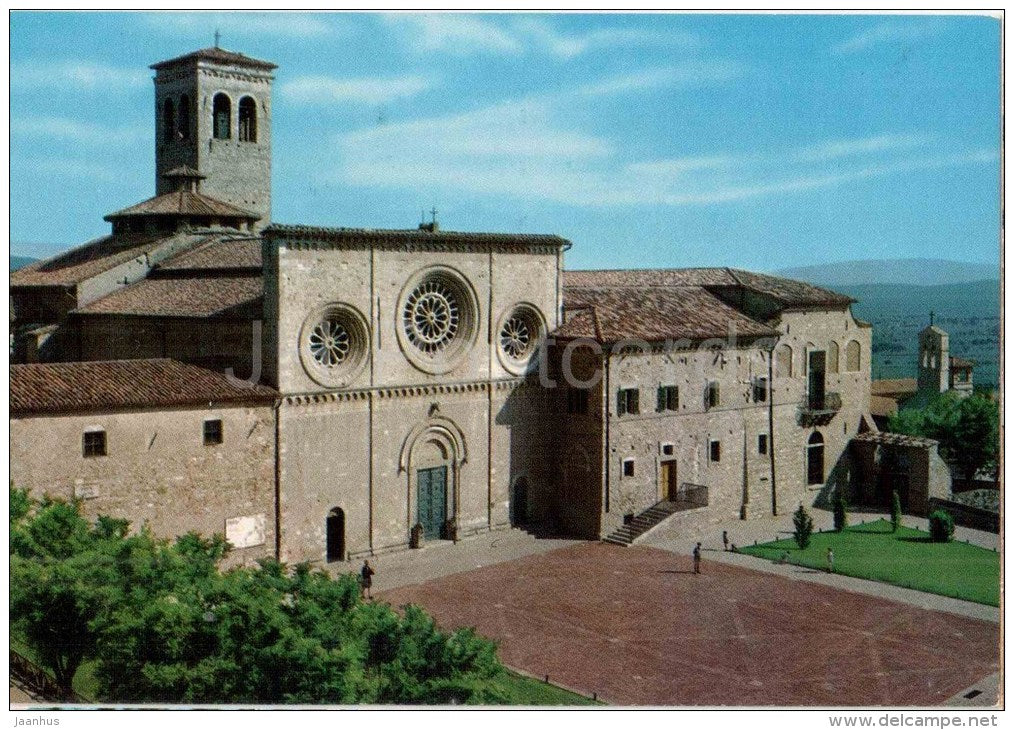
852	357
221	116
184	117
783	361
247	119
832	357
168	121
815	459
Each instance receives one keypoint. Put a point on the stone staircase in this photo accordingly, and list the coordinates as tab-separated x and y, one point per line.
651	517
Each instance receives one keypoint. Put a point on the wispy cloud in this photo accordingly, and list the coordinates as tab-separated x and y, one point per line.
544	36
245	25
79	132
454	33
681	75
835	149
891	31
325	89
79	74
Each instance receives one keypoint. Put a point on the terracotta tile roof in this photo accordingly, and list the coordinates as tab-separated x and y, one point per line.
218	253
894	439
653	315
216	55
220	296
882	405
786	291
400	237
960	362
183	202
84	262
900	386
92	386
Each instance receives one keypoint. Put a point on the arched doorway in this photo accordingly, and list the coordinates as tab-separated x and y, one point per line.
431	458
815	459
336	535
519	502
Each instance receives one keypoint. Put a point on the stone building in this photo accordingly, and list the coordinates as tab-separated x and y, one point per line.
379	389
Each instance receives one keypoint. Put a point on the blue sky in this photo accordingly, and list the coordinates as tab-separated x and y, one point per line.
648	140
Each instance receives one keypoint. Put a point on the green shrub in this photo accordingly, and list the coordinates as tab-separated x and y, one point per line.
840	514
803	524
895	511
941	526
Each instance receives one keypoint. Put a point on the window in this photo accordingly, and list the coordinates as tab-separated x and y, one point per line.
168	121
93	444
832	357
715	451
626	401
577	400
852	357
184	117
221	117
628	467
760	390
815	459
668	449
668	398
783	361
712	397
247	120
213	432
762	443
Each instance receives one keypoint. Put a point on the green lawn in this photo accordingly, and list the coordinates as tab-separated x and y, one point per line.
904	558
527	691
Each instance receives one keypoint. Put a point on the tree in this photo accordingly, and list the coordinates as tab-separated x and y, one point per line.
968	429
941	526
895	511
803	524
840	513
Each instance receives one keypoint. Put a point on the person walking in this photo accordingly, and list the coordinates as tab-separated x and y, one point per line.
725	540
697	559
830	560
366	579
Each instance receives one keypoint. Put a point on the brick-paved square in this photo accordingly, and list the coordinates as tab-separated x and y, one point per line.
637	627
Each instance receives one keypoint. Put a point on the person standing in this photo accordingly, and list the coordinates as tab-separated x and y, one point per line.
830	560
697	559
366	579
725	540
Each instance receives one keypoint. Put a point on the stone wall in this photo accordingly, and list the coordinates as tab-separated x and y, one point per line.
157	469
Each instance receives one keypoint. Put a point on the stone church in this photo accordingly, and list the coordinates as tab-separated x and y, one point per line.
321	394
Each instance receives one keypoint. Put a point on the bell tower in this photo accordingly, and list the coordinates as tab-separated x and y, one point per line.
213	114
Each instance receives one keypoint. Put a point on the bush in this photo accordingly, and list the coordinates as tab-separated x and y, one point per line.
803	523
895	511
941	526
840	514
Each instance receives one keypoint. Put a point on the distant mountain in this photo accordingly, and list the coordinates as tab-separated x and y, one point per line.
18	261
922	272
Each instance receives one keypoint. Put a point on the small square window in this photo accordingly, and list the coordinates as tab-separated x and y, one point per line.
93	444
714	398
628	467
668	449
627	401
762	443
213	432
716	451
577	400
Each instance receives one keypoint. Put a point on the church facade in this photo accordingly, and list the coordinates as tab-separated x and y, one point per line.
321	394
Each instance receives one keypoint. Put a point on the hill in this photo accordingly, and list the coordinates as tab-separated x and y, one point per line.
920	272
18	261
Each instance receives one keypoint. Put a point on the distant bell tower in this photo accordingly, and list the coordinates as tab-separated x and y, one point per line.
934	359
213	114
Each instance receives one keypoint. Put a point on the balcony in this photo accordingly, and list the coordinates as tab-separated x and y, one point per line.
819	408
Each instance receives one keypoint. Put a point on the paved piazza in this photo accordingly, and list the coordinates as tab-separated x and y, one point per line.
636	626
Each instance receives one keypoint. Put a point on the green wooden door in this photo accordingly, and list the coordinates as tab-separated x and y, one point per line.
432	500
